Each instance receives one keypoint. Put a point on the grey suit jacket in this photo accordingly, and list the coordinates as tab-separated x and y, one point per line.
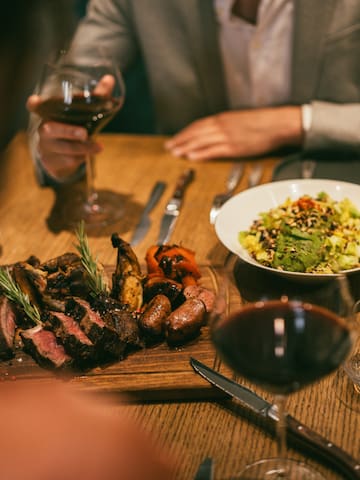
178	42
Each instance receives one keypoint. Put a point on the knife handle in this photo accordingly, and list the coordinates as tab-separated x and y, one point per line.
183	182
347	465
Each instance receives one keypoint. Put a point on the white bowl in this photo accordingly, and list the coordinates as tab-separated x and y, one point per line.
241	210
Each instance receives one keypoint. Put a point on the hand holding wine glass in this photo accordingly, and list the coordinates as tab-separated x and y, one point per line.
85	93
284	340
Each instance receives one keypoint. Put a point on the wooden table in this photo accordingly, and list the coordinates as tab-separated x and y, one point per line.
130	165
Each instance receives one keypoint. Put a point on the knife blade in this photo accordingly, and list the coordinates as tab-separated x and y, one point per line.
172	209
145	222
304	436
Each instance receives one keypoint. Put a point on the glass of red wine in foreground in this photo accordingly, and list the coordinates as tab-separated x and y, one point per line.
283	341
347	379
86	93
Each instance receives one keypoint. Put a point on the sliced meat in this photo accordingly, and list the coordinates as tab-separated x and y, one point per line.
75	341
153	318
185	322
7	328
44	348
120	317
202	293
104	336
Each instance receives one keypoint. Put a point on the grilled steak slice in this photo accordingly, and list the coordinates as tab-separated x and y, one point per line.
119	317
75	341
104	336
42	345
7	328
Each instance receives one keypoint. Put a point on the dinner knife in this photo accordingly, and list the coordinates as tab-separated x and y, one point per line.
145	222
304	436
173	206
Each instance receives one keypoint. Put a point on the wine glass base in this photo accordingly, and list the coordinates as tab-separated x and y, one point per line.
346	391
278	469
106	209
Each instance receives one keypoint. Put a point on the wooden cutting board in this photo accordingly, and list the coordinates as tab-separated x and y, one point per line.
154	373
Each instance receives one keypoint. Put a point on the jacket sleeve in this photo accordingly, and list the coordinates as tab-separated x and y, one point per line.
109	25
334	126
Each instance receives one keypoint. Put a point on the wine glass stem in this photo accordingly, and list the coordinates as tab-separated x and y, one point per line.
280	401
91	195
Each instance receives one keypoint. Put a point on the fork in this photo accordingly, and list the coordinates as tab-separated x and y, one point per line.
231	183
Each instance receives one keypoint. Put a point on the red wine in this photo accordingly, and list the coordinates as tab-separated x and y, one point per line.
91	112
282	346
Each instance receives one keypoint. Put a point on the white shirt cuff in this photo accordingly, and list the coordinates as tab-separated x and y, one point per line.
306	116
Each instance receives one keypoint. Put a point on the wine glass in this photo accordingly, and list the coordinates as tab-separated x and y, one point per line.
87	92
347	379
283	340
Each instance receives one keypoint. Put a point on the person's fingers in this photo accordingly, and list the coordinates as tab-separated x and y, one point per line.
211	152
62	166
197	143
68	147
32	102
202	127
105	86
63	130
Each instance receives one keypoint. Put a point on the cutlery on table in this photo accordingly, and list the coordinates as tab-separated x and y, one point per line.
172	209
232	181
305	437
255	175
307	168
205	470
145	221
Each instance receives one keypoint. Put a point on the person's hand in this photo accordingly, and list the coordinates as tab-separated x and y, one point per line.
241	133
62	147
53	432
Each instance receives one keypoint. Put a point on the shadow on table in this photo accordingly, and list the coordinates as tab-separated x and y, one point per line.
251	281
66	196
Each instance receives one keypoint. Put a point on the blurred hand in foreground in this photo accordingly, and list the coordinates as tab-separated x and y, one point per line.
53	432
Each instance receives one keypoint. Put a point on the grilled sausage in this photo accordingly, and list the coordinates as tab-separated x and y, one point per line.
152	320
202	293
185	322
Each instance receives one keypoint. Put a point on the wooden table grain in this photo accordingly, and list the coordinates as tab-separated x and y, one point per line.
129	165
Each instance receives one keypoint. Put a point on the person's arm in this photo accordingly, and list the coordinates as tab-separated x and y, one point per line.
241	133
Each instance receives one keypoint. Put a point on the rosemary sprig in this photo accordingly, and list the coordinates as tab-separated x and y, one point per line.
14	293
95	279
